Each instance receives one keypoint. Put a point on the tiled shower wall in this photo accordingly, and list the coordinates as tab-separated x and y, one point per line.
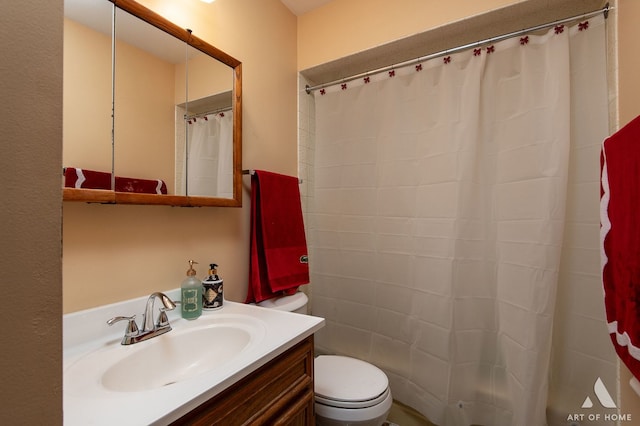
306	142
306	138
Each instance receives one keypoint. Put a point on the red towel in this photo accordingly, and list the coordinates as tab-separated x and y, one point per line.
278	244
91	179
83	178
620	240
140	186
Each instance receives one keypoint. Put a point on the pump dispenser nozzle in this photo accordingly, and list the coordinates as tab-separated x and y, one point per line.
192	272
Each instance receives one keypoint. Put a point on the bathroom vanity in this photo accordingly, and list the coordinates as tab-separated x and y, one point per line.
280	392
240	364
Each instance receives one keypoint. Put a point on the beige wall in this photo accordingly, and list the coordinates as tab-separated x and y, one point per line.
629	59
30	253
87	123
114	252
206	77
351	26
144	116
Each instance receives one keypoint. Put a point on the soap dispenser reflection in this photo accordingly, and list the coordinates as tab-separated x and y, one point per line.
191	294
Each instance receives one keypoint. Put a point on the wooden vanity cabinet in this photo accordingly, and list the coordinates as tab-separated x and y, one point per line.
278	393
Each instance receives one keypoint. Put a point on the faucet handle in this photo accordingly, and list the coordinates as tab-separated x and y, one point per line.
132	327
163	320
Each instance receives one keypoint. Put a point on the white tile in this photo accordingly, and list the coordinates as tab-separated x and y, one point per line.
585	201
354	314
350	341
432	274
474	346
429	369
530	199
582	235
392	268
438	168
397	173
433	339
474	314
585	164
582	260
357	176
583	296
354	290
361	201
396	202
589	336
396	298
394	325
391	355
361	241
437	201
390	243
363	224
433	309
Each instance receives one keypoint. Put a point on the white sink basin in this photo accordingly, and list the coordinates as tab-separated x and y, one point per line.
178	357
157	381
181	354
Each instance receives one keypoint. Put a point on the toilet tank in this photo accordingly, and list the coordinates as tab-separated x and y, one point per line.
295	303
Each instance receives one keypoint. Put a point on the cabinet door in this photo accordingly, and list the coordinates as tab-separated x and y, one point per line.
300	414
278	393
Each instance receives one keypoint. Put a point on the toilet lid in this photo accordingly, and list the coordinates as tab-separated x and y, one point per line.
286	303
345	381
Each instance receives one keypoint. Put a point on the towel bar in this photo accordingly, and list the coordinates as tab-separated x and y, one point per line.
252	172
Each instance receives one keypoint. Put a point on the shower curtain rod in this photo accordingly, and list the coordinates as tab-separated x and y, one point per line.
605	11
202	114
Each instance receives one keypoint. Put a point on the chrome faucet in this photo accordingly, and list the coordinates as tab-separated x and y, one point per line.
149	328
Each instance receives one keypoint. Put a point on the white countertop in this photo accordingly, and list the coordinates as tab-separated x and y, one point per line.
88	402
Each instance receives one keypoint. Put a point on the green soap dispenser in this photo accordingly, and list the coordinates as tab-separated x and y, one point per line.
191	292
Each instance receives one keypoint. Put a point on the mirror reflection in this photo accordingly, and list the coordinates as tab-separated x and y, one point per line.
173	117
87	88
204	156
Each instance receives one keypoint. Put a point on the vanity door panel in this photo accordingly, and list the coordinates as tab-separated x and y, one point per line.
278	393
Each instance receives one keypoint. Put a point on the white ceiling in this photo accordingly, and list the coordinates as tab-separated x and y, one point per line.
300	7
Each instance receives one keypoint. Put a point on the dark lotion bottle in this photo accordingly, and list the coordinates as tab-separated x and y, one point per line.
212	289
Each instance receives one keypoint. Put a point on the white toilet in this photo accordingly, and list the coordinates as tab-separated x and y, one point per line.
348	391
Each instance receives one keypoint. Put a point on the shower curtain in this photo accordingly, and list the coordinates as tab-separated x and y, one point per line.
210	156
438	216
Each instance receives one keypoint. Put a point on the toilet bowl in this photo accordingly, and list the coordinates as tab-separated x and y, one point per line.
348	391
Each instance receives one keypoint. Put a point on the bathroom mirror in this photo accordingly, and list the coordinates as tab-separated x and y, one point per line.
175	134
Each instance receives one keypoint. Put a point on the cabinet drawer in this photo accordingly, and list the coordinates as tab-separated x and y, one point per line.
280	392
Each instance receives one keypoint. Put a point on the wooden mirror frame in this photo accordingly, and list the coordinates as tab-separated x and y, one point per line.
114	197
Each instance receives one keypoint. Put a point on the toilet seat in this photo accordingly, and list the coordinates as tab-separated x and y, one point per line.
288	303
345	382
352	404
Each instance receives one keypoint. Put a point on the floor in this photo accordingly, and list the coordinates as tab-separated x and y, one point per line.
403	415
